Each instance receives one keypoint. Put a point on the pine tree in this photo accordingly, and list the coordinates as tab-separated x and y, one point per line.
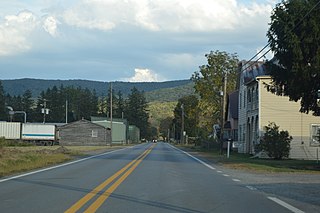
136	111
3	114
27	104
120	105
294	38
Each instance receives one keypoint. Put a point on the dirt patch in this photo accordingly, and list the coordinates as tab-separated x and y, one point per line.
63	150
60	150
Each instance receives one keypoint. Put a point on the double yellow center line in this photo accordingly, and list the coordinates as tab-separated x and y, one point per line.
123	173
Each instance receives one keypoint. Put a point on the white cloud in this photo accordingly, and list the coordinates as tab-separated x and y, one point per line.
50	25
169	36
160	15
14	32
144	75
17	32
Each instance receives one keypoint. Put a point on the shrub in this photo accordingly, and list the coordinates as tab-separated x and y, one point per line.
2	142
276	143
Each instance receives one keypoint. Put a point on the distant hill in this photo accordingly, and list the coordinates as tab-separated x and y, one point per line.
170	94
159	91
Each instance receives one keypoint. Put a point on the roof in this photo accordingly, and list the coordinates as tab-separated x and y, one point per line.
122	120
251	70
83	121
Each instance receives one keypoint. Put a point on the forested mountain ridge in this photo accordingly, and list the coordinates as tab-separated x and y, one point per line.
36	86
170	94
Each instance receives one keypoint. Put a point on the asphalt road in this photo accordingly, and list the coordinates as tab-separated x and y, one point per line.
144	178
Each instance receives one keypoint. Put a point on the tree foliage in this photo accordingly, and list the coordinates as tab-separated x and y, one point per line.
294	38
191	112
209	83
2	103
136	112
276	143
82	103
79	103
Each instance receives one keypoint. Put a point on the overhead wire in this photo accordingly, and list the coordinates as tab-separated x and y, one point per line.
263	55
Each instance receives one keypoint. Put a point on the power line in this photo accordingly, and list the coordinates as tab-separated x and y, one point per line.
293	29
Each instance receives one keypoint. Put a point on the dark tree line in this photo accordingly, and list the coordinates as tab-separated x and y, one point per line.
53	104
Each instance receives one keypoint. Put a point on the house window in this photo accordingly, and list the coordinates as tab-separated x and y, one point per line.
94	133
235	135
315	135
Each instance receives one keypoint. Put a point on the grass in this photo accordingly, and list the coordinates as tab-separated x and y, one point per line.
245	162
17	159
13	161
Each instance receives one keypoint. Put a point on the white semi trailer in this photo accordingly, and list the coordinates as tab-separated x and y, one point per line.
10	130
40	134
43	134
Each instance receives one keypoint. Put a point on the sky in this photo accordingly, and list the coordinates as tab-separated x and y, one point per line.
126	40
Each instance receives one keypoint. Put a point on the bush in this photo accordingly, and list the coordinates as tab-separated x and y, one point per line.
6	143
276	143
2	142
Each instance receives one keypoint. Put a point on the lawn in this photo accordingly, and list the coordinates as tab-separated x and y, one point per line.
246	162
19	159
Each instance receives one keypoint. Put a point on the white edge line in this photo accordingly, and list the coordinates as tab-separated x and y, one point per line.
197	159
280	202
60	165
251	188
286	205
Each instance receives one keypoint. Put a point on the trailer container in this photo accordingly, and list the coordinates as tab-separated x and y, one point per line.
44	134
10	130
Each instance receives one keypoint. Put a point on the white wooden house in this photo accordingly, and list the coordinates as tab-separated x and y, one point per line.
258	107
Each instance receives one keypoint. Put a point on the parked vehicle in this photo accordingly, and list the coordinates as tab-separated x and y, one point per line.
40	134
10	130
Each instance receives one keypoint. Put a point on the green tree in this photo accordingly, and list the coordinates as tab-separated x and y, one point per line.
189	105
94	103
102	106
27	104
136	112
56	104
3	114
82	103
276	143
165	125
209	83
294	38
120	105
114	103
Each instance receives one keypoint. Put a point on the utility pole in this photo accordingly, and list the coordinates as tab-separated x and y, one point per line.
182	124
223	110
44	110
111	111
66	111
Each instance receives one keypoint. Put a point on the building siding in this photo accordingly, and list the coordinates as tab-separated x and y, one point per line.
84	132
285	113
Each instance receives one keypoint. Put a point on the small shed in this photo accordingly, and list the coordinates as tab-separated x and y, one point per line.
84	133
120	128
